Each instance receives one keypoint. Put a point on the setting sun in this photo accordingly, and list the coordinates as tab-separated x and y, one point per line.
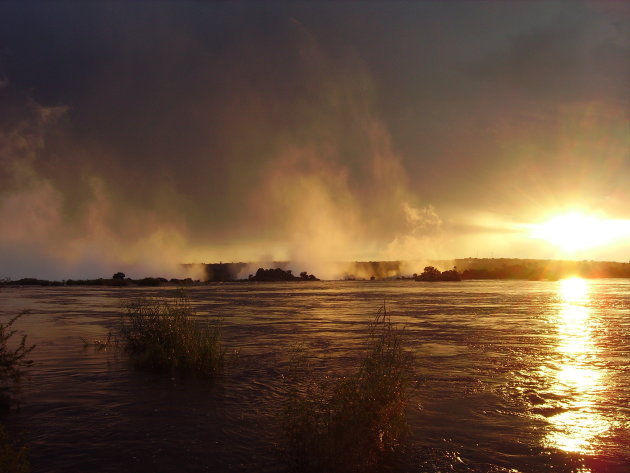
576	231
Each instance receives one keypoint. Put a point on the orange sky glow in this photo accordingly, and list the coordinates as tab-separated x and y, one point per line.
207	132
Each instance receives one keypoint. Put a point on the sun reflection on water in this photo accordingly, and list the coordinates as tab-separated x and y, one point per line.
576	379
574	290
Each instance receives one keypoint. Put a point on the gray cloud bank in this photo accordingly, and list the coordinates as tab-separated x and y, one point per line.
137	136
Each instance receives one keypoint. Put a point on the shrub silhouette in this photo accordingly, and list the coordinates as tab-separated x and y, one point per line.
13	362
354	423
163	336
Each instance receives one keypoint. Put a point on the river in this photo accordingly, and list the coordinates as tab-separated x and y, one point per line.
510	376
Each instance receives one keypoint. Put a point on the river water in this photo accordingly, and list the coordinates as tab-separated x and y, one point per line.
523	376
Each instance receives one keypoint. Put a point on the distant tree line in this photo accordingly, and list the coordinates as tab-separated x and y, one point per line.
467	268
116	280
432	274
120	279
278	274
511	268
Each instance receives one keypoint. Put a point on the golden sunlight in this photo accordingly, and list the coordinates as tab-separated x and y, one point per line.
576	231
577	378
574	290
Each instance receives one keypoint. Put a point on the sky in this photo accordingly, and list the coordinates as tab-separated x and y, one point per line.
136	136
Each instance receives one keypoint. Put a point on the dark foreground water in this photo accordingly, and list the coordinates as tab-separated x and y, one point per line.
511	376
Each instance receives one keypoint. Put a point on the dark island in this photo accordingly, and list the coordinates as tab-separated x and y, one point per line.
432	274
226	272
278	274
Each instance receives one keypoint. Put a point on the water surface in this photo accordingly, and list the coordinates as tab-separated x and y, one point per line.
518	376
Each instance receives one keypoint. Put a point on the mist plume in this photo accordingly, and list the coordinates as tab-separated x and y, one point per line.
213	132
325	191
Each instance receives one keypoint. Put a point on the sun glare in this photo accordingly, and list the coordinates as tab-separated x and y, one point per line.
574	290
578	378
576	231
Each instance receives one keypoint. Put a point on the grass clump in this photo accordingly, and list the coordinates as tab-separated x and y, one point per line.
13	362
354	423
163	335
13	457
98	343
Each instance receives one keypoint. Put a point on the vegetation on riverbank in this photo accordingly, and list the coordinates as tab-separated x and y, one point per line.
467	268
13	363
164	335
112	282
354	423
536	269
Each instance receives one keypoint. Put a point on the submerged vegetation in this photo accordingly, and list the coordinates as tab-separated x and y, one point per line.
13	363
354	423
99	344
164	336
13	457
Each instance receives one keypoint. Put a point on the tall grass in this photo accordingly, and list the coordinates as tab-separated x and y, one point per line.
13	457
163	335
354	423
13	362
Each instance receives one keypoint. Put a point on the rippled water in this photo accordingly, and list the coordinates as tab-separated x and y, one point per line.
511	376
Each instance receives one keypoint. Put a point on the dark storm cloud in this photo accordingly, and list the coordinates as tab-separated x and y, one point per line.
169	96
222	125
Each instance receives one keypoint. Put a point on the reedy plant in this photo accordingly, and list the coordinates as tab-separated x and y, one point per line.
163	335
353	423
13	457
13	361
